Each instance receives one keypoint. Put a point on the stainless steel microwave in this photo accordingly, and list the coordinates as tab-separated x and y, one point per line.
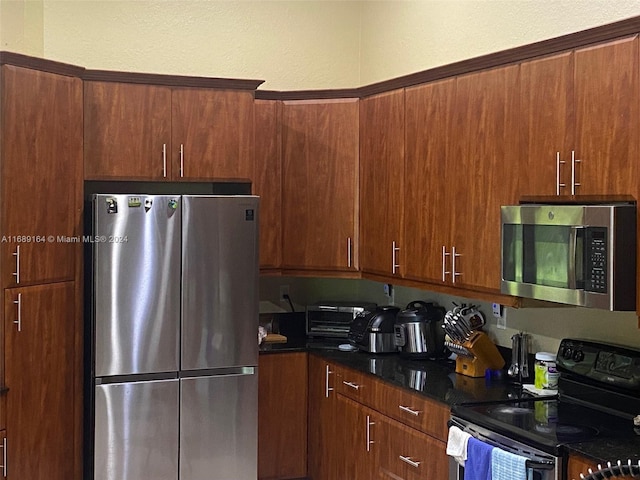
574	254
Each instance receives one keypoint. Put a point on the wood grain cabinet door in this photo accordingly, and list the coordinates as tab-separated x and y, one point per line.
41	175
607	95
268	180
486	136
40	375
431	177
127	131
320	185
548	119
212	134
323	450
359	441
382	183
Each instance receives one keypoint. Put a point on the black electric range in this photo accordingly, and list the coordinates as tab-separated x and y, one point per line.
598	398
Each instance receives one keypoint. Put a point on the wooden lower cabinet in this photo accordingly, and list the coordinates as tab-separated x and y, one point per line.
40	375
282	416
360	444
324	451
411	454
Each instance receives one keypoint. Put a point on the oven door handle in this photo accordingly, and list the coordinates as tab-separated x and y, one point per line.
541	464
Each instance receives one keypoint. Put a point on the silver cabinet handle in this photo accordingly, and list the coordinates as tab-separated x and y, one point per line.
369	441
19	304
349	251
445	272
17	272
409	410
409	461
394	264
4	457
164	160
327	389
574	183
351	385
181	160
558	163
454	255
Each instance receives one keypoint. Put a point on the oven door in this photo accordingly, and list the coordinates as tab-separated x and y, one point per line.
541	465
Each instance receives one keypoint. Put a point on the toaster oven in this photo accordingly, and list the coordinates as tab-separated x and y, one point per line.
333	319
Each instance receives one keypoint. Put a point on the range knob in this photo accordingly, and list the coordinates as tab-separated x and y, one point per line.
567	353
578	355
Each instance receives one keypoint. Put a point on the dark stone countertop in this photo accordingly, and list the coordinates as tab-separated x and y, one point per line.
433	379
438	381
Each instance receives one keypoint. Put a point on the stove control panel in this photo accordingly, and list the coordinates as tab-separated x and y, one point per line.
606	363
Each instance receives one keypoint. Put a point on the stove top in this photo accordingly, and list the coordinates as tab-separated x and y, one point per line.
598	398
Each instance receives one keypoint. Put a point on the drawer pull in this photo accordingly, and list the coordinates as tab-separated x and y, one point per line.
409	461
408	410
352	385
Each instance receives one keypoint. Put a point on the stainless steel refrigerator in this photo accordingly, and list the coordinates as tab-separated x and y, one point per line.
174	337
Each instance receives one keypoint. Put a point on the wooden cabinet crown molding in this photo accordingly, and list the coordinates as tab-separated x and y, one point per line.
35	63
171	80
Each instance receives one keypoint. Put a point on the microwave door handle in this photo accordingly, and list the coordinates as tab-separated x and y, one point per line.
573	242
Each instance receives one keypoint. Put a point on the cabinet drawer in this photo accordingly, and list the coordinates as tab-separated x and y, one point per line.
416	411
357	386
411	455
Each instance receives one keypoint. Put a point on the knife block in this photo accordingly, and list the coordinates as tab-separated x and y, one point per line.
483	354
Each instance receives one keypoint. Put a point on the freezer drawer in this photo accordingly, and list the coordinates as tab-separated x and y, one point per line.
219	282
219	427
136	288
136	431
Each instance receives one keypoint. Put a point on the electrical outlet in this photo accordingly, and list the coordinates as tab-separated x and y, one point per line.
284	291
389	291
500	313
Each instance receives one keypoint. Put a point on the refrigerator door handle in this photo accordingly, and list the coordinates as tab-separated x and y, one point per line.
218	372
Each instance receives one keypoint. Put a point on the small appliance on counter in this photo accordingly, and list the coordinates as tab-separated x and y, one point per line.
475	351
372	330
419	331
330	319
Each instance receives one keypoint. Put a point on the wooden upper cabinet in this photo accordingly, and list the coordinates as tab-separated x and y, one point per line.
580	121
41	150
382	183
606	98
127	131
267	181
431	174
212	134
485	141
149	132
320	185
548	120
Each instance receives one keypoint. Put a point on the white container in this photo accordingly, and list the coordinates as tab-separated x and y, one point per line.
546	375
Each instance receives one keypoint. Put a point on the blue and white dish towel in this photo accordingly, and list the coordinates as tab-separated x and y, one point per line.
507	466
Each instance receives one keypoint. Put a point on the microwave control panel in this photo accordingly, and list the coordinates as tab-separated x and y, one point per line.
596	259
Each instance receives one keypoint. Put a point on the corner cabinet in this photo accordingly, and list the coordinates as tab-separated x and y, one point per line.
137	131
268	181
320	141
41	265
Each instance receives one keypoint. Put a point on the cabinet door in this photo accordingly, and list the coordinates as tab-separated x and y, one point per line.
212	134
486	151
357	436
547	123
40	375
432	174
41	175
127	131
320	185
282	415
382	181
268	180
324	451
606	89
